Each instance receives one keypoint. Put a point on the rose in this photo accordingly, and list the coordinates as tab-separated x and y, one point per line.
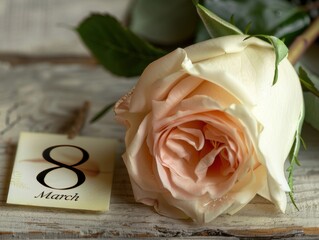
207	130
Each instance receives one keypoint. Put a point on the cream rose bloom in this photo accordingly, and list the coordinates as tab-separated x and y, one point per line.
207	130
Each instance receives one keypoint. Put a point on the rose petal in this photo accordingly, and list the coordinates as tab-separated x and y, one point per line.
168	65
191	134
219	94
278	195
246	64
137	154
246	189
280	122
206	209
176	95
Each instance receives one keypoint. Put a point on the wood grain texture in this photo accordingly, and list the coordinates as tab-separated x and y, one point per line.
45	98
22	59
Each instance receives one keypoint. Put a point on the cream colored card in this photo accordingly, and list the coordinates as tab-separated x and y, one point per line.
51	170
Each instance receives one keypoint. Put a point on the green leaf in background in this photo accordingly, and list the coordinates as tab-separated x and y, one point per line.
216	26
115	47
278	18
306	82
280	49
164	22
311	100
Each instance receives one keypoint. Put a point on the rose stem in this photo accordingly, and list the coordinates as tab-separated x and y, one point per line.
79	120
303	41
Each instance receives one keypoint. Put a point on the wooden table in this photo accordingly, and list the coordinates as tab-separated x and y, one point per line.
44	98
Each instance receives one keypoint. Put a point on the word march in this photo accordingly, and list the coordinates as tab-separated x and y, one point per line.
55	196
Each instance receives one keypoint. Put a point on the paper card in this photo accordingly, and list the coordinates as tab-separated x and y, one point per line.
51	170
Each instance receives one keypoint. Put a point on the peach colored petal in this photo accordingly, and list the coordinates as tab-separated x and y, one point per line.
176	95
246	189
191	134
177	174
137	158
220	95
159	69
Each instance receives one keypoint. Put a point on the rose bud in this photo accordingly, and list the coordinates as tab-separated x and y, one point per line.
207	130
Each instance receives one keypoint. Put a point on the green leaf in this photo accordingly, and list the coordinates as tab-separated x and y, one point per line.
164	22
115	47
306	82
278	18
232	20
312	100
247	28
280	49
102	112
290	183
293	157
216	26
